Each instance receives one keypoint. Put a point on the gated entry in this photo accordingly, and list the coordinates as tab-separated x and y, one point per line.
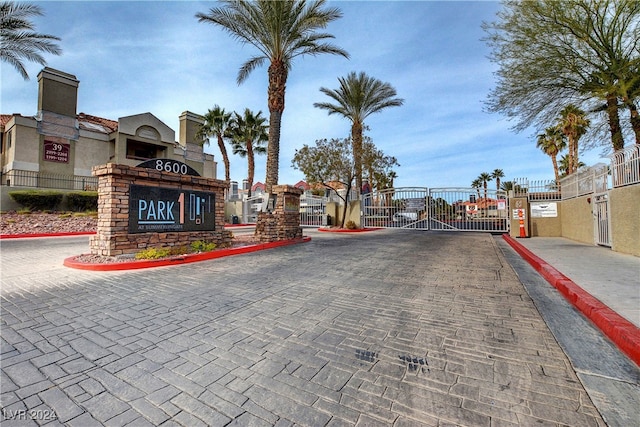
445	209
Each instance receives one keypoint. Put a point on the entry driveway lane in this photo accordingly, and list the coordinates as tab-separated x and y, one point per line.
384	328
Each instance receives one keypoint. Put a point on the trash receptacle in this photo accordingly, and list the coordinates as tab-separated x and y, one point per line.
235	219
326	220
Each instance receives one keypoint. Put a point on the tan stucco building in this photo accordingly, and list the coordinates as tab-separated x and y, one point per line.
58	147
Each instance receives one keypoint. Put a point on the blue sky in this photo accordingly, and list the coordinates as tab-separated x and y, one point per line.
154	56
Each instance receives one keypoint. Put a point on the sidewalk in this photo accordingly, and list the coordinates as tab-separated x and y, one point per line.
611	277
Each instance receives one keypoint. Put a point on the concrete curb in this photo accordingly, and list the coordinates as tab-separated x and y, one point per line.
346	230
22	236
624	334
178	260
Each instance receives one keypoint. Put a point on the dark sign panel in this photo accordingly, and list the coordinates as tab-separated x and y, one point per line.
158	210
168	165
56	152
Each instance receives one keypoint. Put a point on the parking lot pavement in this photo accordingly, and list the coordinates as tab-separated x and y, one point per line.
386	328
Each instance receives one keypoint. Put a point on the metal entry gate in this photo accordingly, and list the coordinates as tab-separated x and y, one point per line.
602	223
445	209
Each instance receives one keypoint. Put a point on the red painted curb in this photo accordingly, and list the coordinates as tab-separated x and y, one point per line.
22	236
624	334
184	259
346	230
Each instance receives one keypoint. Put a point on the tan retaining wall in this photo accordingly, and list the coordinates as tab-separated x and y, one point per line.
624	205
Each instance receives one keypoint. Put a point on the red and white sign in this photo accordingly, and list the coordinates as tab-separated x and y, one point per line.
56	152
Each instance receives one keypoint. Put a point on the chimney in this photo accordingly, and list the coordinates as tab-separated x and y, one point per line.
57	92
190	124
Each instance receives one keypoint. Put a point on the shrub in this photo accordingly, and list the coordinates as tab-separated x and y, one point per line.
350	225
200	246
153	253
37	199
81	201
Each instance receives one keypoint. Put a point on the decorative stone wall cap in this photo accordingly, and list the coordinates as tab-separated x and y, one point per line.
287	189
133	171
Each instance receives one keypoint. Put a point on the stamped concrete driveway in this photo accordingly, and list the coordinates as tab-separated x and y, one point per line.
384	328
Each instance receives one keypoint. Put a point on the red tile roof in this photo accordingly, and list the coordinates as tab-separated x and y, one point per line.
259	185
302	184
4	119
110	125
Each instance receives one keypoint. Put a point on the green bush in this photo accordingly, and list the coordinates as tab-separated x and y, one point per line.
37	199
153	253
200	246
81	201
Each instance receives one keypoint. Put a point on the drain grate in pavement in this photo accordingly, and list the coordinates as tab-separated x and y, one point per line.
366	355
415	364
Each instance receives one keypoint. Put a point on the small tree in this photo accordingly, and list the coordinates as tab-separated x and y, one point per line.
330	164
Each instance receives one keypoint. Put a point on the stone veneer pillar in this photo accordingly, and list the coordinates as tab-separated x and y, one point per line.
283	223
113	237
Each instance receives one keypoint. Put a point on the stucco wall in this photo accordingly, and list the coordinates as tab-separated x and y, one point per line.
625	219
336	211
90	151
25	146
548	227
577	219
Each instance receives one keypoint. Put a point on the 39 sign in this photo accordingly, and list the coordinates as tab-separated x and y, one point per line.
56	152
168	165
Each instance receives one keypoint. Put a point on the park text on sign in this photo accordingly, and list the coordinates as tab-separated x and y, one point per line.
157	210
56	152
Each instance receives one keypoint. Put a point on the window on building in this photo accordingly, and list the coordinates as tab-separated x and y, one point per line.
142	151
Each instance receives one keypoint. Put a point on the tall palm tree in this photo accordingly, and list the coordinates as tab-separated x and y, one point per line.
280	31
358	97
563	166
484	178
573	123
217	123
552	142
18	41
497	174
249	133
477	184
507	186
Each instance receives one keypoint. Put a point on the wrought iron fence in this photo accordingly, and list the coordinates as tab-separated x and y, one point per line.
544	189
34	179
587	181
313	210
625	166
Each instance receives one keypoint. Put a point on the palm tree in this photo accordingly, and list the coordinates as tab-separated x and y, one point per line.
476	184
217	123
358	97
18	41
552	142
563	166
507	186
249	134
497	174
280	31
573	123
484	177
